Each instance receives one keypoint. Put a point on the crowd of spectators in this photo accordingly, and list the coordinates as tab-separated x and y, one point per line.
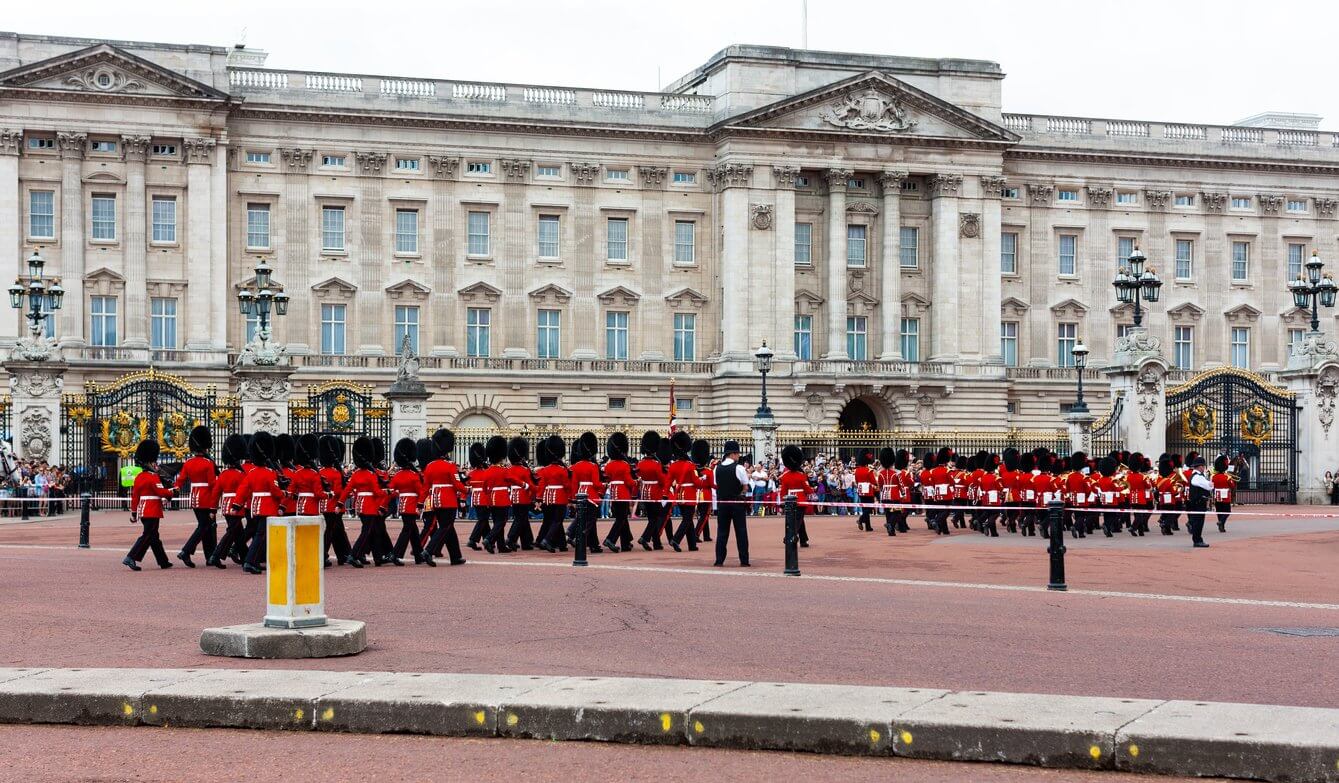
1332	487
35	489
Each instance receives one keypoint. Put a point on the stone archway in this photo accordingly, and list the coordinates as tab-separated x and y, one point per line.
862	414
477	418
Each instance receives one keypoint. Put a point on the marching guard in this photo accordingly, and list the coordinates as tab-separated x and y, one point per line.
793	483
198	475
682	475
555	490
225	491
522	494
864	489
588	488
1224	487
651	487
445	489
701	454
330	453
259	496
146	502
618	474
406	487
369	498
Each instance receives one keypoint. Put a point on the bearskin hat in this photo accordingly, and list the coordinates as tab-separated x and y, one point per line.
650	443
234	449
1220	463
285	448
378	452
617	446
309	449
1176	459
146	453
1012	461
1025	463
590	446
364	453
792	457
477	456
664	452
928	460
554	448
887	457
495	449
200	440
404	453
700	453
901	459
1165	466
944	456
865	457
1137	462
426	451
518	450
1107	466
984	461
445	441
261	449
1078	461
682	442
542	456
327	451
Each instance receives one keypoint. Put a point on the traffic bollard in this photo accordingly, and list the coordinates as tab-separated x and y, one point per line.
792	539
584	508
1057	547
85	507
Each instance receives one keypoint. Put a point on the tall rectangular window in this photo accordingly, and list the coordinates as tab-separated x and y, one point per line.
104	217
855	246
1241	261
1185	259
685	242
1009	253
406	325
1296	258
1069	244
332	329
102	320
1124	249
258	226
406	230
477	229
162	323
685	337
1009	343
908	247
164	219
616	239
548	337
1183	348
332	228
804	337
478	321
857	327
548	236
1241	347
1067	336
42	214
909	334
804	244
616	334
252	325
1294	340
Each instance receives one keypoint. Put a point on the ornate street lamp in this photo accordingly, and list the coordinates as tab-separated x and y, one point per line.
261	300
1080	352
764	364
44	295
1135	284
1312	289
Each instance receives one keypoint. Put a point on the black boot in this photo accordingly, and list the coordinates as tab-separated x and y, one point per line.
130	563
186	559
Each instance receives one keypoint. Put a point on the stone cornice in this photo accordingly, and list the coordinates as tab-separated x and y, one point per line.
1169	161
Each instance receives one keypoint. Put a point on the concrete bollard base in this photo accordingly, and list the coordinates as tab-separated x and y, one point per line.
254	640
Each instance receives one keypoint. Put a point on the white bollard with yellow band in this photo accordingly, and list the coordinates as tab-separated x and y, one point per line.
295	576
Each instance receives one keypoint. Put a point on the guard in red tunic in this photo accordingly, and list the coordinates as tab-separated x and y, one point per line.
146	507
1109	495
1224	487
989	495
682	475
701	454
197	476
889	487
304	480
865	488
793	483
225	491
522	494
497	488
479	500
650	490
618	473
259	497
286	452
406	487
588	489
555	490
330	451
445	489
369	499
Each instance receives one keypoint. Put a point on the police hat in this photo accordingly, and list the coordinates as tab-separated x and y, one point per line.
730	447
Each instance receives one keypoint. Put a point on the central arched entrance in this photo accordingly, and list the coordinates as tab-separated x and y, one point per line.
858	416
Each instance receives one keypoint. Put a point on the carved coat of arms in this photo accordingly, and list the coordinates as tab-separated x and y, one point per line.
869	110
1198	423
174	432
340	414
122	433
1257	424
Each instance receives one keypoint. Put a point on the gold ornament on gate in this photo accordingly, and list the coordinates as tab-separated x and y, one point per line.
174	432
1199	423
340	412
122	433
1257	424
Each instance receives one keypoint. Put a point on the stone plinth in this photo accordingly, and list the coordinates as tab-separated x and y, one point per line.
1317	393
1080	426
35	389
764	437
263	391
1143	416
255	640
409	410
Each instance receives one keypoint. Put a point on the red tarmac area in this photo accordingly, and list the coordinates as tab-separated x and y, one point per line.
915	610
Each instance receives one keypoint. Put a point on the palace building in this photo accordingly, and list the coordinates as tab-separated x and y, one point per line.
915	255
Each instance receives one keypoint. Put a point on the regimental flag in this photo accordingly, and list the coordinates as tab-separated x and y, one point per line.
673	411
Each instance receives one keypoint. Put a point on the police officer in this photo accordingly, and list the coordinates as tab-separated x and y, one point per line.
732	482
1197	501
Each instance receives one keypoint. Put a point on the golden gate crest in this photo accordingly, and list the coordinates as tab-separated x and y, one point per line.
1198	423
1257	424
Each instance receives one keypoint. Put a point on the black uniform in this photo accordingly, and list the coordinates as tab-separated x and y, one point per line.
729	510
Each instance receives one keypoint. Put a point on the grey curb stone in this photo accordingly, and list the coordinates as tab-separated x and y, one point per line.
442	704
610	709
85	696
816	718
254	640
1253	741
248	698
1023	728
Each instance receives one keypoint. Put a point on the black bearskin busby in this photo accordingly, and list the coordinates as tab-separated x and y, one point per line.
590	446
477	456
309	449
902	459
146	453
1165	466
234	449
617	446
1107	466
496	450
650	443
1078	461
928	461
1220	463
378	452
1011	459
445	441
1027	463
261	450
542	456
364	454
200	440
426	451
665	452
285	449
792	457
700	453
404	453
555	447
682	442
518	450
864	458
887	457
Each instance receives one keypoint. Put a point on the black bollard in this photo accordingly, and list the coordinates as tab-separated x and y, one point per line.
1057	547
85	506
792	538
23	508
584	507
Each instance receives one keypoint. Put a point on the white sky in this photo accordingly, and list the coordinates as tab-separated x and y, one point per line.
1187	60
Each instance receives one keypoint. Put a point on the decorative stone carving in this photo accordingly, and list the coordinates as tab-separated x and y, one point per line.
992	186
969	224
870	110
102	78
443	166
653	176
1158	199
265	420
945	184
199	150
762	216
1313	350
414	408
261	352
925	410
296	159
891	182
584	173
813	409
1040	194
33	348
1100	196
406	371
1148	396
11	141
1325	207
515	170
72	145
731	175
265	388
861	208
37	383
837	178
35	432
1138	341
135	147
785	175
1214	202
1270	204
370	162
1327	394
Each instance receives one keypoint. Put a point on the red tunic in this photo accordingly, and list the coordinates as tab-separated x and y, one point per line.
682	476
990	489
370	498
1108	491
1224	486
865	481
794	482
586	480
442	480
523	485
288	505
496	485
475	480
555	485
651	476
1140	491
706	482
621	482
305	489
199	473
225	491
1169	493
334	479
259	493
941	484
1076	489
407	487
147	495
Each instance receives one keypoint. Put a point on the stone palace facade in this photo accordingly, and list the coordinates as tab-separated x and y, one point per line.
915	256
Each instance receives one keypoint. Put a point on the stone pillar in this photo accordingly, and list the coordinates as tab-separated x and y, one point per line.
219	293
992	283
946	301
199	235
782	303
654	321
890	285
1316	386
135	309
588	340
732	181
294	267
11	223
72	146
835	291
369	300
1140	377
263	391
1080	431
444	252
764	437
35	391
516	258
409	412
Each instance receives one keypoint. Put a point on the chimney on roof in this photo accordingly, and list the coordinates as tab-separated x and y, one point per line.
1281	119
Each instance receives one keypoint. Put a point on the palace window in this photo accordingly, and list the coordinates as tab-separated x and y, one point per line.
42	214
406	164
406	231
1067	195
406	324
332	228
1184	200
258	226
1241	256
685	178
1127	197
548	337
910	185
104	217
552	172
804	244
909	334
477	331
616	239
1009	343
478	167
1069	244
1241	202
332	329
252	325
1241	347
333	161
685	242
685	337
1297	205
1183	348
618	403
1296	258
102	146
41	143
804	337
164	219
857	327
858	183
617	175
102	320
1124	249
1294	339
801	181
1009	253
855	246
477	230
548	236
1185	259
163	150
162	323
1067	336
548	401
616	334
683	403
1010	193
260	158
908	247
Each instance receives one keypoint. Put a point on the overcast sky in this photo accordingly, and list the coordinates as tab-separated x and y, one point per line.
1187	60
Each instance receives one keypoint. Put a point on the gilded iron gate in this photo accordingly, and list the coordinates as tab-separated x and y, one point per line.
1106	431
345	410
1244	416
101	428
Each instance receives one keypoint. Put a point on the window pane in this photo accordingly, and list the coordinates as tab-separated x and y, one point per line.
162	323
908	248
1066	339
616	335
685	334
1183	354
406	323
332	228
1185	249
1068	244
549	334
406	231
1124	249
104	217
258	225
1240	261
1009	343
910	334
1296	258
1009	253
477	328
102	320
548	236
855	245
616	230
804	244
804	337
332	329
855	338
42	214
685	250
1241	347
478	234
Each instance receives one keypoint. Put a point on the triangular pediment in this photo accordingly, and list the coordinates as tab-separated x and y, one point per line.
687	296
872	104
103	273
1242	312
1069	307
1187	309
408	287
862	297
1013	306
551	292
805	295
104	69
619	295
335	285
480	292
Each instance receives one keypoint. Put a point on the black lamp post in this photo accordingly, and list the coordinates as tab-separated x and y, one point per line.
1314	289
1080	352
44	296
764	362
1134	283
262	300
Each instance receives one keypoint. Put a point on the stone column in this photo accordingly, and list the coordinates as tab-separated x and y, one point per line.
732	181
764	437
1313	376
946	301
445	252
294	267
372	256
992	283
11	223
835	291
263	391
219	294
645	250
1140	377
517	256
35	391
587	330
890	283
199	236
783	299
1080	431
409	408
72	146
135	309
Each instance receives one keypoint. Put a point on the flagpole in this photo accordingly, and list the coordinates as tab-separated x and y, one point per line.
673	409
